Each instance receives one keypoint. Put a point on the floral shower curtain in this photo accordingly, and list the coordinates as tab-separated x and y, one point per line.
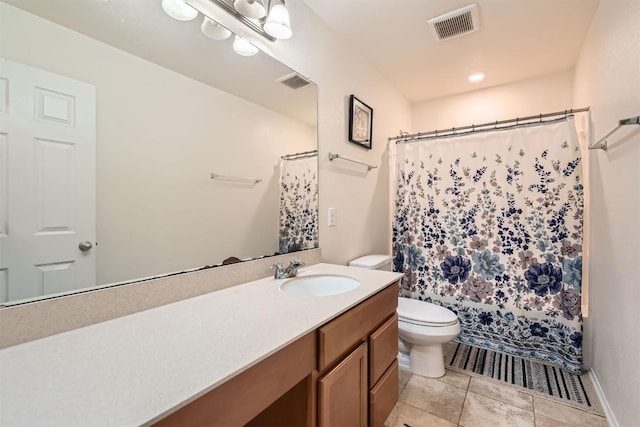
298	228
489	225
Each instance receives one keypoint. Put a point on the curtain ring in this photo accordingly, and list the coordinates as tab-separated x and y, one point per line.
517	118
540	117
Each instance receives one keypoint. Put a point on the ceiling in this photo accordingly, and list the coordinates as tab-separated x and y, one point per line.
517	39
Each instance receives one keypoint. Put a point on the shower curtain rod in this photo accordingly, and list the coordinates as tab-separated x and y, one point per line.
472	128
299	155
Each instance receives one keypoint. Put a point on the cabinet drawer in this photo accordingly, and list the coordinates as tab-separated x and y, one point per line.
384	396
383	348
343	333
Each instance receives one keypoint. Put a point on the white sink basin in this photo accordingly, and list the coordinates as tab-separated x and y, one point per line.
319	285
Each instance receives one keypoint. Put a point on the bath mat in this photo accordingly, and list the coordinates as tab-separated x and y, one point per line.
534	377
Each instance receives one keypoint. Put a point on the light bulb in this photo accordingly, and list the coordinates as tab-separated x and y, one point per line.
277	24
213	30
250	8
476	77
243	47
178	9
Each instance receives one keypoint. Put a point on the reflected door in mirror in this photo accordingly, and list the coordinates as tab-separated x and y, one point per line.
47	196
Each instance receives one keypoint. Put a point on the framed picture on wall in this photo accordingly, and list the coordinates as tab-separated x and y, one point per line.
360	122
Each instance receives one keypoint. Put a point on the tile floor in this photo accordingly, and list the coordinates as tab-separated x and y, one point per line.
461	400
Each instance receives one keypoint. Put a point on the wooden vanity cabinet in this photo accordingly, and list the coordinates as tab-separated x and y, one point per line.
343	374
280	379
358	386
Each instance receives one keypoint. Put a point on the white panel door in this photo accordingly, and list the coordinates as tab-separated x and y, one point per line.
47	182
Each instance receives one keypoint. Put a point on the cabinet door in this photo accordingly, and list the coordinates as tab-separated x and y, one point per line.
383	349
342	392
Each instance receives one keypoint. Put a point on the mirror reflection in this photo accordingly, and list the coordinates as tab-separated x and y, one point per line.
114	118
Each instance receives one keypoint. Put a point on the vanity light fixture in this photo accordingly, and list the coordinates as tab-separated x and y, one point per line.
277	24
476	77
254	9
253	14
213	30
243	47
178	9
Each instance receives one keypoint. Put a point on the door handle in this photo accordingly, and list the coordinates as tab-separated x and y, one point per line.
85	246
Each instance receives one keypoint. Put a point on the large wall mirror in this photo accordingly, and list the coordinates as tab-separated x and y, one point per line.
113	116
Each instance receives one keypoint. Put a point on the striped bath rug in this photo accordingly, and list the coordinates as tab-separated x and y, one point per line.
534	377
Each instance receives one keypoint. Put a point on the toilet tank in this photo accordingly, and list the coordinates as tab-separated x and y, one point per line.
373	262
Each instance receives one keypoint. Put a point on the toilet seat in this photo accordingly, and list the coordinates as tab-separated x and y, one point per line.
424	313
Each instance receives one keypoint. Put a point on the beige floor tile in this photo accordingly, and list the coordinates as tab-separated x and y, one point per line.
566	414
393	416
481	411
405	375
542	421
435	397
456	378
502	393
414	417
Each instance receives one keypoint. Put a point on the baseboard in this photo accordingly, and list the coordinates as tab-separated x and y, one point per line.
611	419
403	361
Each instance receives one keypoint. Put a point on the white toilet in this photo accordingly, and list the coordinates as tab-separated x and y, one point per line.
422	327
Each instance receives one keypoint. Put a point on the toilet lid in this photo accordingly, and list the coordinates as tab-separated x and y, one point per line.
424	313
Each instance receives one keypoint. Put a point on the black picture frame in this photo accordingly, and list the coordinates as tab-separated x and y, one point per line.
360	123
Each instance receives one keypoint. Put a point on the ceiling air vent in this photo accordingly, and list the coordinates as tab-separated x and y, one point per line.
457	23
293	81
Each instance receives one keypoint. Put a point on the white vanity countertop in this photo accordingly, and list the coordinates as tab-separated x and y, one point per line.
136	369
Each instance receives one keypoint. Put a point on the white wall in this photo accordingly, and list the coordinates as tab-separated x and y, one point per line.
553	92
159	135
608	78
361	199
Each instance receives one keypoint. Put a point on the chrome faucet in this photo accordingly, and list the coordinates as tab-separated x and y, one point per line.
291	271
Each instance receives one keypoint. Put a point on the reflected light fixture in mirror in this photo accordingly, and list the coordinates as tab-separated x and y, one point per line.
250	8
277	24
213	30
243	47
178	9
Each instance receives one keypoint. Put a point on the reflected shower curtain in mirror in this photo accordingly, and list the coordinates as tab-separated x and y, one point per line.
489	225
298	202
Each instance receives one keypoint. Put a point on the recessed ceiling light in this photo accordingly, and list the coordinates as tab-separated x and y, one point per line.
476	77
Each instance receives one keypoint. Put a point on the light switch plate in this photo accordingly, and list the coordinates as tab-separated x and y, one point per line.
332	217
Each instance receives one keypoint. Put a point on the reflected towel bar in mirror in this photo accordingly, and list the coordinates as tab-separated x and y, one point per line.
235	178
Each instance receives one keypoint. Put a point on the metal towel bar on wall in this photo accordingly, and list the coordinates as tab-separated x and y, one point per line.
333	156
602	142
235	178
